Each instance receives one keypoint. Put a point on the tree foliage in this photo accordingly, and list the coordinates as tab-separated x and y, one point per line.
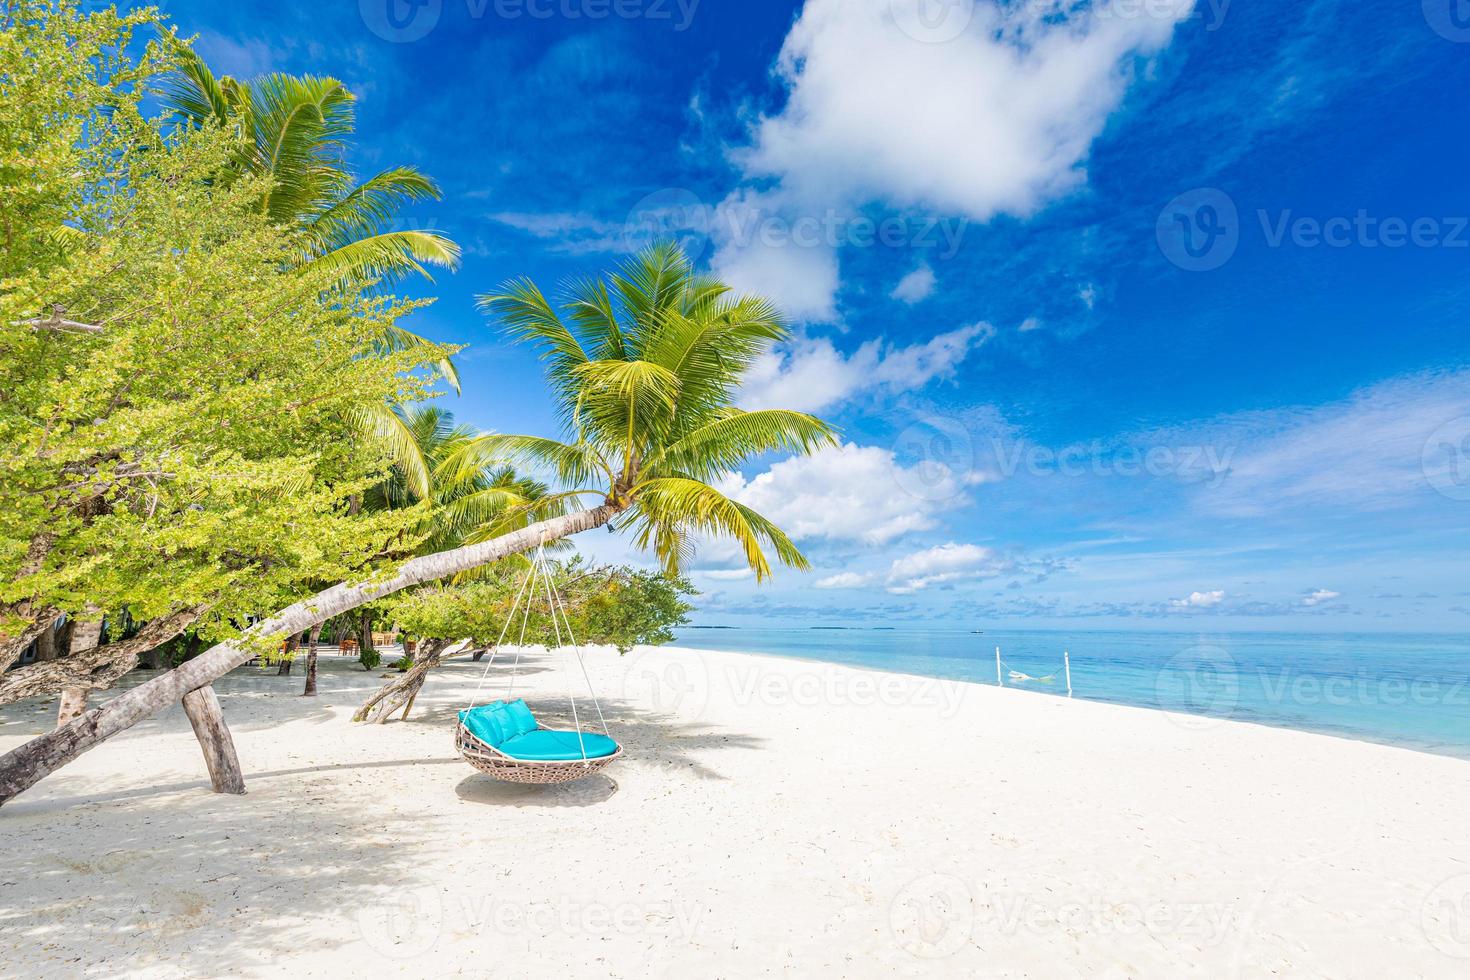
604	605
178	395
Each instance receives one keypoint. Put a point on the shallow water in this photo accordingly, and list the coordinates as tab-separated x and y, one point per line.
1402	689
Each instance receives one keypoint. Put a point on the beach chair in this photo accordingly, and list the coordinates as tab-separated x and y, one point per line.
504	740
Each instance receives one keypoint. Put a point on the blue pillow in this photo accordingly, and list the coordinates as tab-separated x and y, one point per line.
520	718
485	723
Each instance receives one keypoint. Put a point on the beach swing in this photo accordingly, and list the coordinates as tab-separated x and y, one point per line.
503	739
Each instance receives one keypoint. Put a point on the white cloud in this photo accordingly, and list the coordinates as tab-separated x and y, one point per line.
844	580
810	374
799	277
854	493
577	233
1320	596
1029	324
944	563
1383	447
915	287
999	118
1199	600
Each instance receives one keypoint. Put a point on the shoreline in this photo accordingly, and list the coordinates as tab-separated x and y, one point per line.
768	811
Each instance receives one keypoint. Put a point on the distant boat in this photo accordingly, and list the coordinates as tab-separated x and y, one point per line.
977	631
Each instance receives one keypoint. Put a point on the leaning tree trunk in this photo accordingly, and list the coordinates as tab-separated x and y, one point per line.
400	692
25	765
311	644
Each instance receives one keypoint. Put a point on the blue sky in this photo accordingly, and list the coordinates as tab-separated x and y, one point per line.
1147	314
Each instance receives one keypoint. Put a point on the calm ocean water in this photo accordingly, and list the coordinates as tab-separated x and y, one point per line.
1402	689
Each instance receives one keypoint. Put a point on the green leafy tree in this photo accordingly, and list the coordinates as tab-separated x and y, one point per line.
178	396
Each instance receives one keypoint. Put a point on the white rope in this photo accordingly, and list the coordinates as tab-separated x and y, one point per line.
515	667
577	649
556	629
495	651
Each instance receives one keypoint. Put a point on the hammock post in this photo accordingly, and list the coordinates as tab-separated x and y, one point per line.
1067	664
998	681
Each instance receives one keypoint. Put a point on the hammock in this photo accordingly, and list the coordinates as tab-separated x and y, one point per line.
503	739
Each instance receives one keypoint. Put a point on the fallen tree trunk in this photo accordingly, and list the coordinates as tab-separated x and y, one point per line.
400	692
27	764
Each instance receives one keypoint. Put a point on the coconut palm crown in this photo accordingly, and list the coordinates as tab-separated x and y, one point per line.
645	366
296	131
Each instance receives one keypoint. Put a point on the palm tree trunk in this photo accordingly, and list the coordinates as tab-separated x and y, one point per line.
27	764
311	643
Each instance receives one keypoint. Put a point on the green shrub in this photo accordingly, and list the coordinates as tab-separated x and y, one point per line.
369	659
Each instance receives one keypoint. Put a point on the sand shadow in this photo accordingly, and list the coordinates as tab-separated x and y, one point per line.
591	791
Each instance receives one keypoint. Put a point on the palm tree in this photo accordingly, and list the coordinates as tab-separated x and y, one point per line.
295	132
645	369
469	505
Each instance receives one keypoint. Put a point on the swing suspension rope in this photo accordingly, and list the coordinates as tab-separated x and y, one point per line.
541	568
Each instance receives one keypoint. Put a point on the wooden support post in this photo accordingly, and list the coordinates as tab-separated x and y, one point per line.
1067	662
998	681
208	720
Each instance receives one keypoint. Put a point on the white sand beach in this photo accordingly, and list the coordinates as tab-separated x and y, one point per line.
772	817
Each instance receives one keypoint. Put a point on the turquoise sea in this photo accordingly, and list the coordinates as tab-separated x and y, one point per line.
1404	689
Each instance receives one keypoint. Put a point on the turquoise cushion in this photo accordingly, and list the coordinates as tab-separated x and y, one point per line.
520	717
545	745
485	723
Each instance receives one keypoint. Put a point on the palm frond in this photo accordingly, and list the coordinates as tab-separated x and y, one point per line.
575	464
697	506
388	427
387	256
727	443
